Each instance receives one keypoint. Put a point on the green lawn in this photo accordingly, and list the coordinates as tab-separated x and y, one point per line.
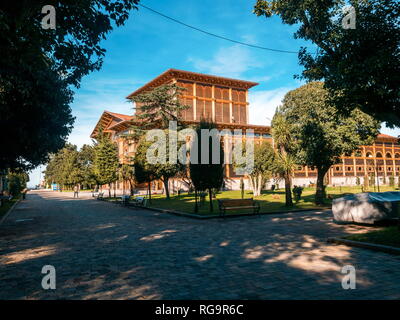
7	204
389	236
270	201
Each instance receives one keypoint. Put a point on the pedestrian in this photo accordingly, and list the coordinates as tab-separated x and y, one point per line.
76	191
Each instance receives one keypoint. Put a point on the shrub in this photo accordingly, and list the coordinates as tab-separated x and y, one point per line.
297	191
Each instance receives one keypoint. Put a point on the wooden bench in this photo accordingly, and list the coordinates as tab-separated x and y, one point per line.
238	204
100	196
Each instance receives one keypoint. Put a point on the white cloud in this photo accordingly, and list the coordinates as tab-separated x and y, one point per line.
263	105
93	98
228	61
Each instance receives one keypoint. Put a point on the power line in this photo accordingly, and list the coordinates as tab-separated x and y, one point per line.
215	35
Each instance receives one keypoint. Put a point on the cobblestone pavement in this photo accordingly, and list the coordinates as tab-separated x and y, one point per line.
103	251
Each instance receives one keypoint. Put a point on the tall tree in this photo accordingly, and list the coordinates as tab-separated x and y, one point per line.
127	173
209	175
142	170
37	67
106	162
320	135
282	134
263	169
162	104
360	65
165	167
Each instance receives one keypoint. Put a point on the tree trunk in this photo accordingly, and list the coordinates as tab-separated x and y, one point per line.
211	201
320	192
166	187
109	190
115	185
288	190
149	185
131	187
196	207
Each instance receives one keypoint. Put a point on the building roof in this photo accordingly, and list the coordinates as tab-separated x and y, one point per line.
383	136
109	119
176	74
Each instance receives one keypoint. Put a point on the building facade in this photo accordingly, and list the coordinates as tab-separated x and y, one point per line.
225	101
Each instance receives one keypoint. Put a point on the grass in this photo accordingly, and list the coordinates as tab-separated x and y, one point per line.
270	201
389	236
7	204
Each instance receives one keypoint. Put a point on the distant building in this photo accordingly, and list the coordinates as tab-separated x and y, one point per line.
225	101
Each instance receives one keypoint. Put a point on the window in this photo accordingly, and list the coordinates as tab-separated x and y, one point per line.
388	155
358	153
368	154
397	155
379	155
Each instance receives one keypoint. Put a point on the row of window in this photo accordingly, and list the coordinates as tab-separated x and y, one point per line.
221	93
351	168
378	155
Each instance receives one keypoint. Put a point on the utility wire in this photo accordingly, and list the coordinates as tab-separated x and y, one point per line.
215	35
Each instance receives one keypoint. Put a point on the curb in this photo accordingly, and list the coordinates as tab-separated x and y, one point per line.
9	211
215	216
365	245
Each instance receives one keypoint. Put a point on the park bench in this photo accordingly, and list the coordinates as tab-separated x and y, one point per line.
100	196
137	202
140	201
238	204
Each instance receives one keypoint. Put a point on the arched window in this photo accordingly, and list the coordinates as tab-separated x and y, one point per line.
368	154
358	153
397	155
379	155
388	155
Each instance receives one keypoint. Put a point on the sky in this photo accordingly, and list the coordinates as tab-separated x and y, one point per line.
149	44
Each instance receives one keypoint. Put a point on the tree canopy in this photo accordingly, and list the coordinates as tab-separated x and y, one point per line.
207	176
321	135
106	162
360	66
38	67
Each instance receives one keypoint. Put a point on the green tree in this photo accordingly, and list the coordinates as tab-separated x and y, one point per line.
143	172
264	166
17	182
206	176
85	161
38	66
361	66
282	134
162	105
321	135
106	162
165	167
127	173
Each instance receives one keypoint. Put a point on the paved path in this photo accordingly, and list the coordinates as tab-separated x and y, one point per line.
103	251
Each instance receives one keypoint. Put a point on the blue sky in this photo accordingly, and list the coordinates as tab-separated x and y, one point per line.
149	44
